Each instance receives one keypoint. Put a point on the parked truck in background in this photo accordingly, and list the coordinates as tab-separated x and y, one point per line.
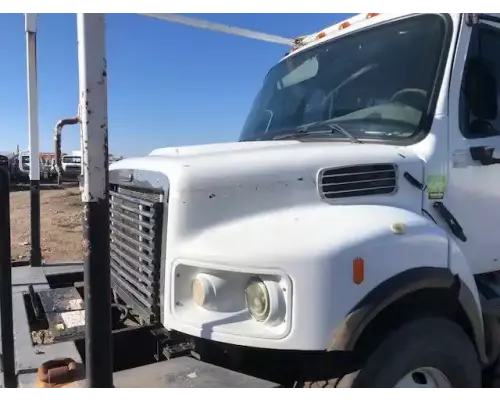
22	167
72	167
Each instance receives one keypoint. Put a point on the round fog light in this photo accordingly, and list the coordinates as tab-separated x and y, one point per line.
257	299
199	291
204	290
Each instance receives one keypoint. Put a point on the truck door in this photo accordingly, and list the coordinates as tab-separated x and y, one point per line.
473	187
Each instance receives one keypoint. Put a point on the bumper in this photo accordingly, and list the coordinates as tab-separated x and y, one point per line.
72	173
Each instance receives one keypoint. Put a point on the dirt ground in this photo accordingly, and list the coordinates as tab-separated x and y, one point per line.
61	225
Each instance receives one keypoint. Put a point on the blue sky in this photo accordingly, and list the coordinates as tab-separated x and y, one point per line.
169	85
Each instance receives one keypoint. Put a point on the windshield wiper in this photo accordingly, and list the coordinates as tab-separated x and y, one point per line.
300	134
341	129
304	131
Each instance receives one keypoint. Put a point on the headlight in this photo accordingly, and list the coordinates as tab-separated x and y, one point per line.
257	299
199	290
205	288
202	290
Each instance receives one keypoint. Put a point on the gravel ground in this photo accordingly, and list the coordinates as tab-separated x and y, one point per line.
61	225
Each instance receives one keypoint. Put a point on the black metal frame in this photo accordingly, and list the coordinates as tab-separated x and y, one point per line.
36	248
5	164
6	320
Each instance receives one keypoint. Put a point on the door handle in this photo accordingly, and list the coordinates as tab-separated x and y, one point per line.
484	154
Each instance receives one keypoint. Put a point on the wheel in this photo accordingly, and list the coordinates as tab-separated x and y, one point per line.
425	353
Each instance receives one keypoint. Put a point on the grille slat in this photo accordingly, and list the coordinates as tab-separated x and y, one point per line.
145	288
131	289
131	240
130	219
136	259
132	210
134	263
137	198
136	219
143	276
358	180
130	229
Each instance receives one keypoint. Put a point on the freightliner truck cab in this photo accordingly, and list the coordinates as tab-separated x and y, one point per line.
350	237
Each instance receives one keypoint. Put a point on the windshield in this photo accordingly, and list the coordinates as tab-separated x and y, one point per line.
25	159
376	83
72	160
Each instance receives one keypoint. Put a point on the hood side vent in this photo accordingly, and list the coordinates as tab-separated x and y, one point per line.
358	180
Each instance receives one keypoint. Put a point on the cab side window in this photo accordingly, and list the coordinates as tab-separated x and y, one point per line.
479	106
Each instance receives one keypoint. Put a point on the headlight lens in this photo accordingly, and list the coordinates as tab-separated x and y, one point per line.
199	291
257	299
204	289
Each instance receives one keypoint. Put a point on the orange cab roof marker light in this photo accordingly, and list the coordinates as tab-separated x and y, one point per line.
344	25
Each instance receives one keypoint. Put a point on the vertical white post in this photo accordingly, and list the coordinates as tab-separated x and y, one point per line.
30	22
93	110
34	146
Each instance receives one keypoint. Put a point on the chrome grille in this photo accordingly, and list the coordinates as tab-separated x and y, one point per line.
358	180
136	219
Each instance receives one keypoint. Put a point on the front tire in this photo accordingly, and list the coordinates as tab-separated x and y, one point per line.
430	352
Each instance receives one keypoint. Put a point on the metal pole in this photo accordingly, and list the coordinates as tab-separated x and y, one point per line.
6	320
94	129
36	252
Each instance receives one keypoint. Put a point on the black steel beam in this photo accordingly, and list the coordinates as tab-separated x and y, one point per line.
36	248
6	317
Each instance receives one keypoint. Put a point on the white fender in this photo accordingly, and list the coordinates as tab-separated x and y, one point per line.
313	246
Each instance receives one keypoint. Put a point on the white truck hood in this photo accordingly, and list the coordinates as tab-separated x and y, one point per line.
256	177
184	151
242	156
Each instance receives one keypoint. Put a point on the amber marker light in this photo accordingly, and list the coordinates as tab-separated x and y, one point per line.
358	271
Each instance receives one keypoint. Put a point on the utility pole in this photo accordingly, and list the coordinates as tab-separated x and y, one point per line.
94	119
34	146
